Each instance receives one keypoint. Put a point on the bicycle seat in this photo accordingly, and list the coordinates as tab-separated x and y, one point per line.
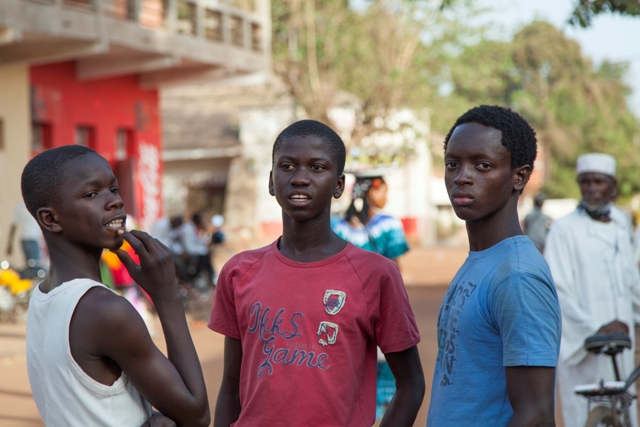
603	388
607	343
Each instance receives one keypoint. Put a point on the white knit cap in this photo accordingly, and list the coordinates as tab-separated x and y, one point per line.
596	162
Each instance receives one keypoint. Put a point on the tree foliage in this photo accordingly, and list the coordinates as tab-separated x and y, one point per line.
385	54
584	10
574	108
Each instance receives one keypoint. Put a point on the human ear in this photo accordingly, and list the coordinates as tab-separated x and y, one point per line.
337	192
48	220
521	177
272	191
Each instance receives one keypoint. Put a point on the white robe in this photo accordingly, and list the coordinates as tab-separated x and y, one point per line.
597	282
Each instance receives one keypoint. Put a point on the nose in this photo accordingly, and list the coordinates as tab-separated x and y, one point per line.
114	202
300	177
463	176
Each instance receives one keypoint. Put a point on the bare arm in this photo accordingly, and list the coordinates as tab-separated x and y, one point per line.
531	393
407	370
174	385
228	404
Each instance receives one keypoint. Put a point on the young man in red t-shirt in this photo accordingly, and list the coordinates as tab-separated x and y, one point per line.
303	316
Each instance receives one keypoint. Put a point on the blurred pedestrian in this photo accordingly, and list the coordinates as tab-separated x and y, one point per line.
590	256
537	224
366	227
217	238
29	233
168	230
196	240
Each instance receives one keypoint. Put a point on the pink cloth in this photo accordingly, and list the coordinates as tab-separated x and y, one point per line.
309	333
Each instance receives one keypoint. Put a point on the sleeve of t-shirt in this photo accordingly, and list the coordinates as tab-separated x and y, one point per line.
526	311
394	324
224	318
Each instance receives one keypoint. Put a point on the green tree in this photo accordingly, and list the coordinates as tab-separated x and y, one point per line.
386	54
573	107
584	10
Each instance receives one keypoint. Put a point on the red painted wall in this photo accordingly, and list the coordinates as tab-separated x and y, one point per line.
62	102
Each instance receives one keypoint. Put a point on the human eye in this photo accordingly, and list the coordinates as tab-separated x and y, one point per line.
114	190
450	164
90	195
483	166
317	168
286	166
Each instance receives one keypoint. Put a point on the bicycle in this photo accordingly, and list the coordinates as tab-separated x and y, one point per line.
612	399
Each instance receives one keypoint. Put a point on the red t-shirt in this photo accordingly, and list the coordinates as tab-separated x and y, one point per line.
309	333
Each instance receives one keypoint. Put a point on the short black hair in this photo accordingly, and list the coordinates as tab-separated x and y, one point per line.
317	129
517	135
44	174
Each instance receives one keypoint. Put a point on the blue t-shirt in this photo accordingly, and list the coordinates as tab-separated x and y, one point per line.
383	234
501	310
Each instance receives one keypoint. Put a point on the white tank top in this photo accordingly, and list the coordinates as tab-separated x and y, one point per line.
65	395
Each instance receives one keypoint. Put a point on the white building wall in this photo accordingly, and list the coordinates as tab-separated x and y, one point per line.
16	147
409	183
259	128
409	196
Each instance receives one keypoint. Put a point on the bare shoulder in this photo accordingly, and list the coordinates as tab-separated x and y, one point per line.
102	302
106	314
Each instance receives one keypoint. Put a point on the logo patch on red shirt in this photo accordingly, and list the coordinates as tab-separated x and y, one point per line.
334	301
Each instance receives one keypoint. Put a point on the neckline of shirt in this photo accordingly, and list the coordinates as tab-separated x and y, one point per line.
60	288
497	247
311	264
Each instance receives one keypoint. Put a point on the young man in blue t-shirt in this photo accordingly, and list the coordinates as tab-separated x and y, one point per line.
499	323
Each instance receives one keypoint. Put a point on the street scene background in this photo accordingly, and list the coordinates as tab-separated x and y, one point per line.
184	99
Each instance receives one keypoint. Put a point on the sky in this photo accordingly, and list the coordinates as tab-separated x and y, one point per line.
611	36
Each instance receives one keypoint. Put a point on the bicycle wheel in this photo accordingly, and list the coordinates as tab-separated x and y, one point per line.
602	416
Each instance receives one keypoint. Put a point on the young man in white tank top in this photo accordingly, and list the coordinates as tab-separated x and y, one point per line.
90	358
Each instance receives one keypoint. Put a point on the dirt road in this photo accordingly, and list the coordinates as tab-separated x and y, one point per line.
426	272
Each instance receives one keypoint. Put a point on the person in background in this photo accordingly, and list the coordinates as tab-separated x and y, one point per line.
365	227
169	231
217	238
537	224
195	239
30	235
590	256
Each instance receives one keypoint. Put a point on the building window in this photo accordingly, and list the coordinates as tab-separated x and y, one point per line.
40	137
123	142
85	136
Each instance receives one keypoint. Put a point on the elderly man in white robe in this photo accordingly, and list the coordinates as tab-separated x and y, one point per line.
591	259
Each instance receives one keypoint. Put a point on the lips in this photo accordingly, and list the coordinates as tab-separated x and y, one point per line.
461	199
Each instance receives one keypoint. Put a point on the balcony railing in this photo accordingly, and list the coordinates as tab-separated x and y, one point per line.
234	22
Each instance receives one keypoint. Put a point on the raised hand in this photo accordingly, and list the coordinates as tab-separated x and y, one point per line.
156	272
